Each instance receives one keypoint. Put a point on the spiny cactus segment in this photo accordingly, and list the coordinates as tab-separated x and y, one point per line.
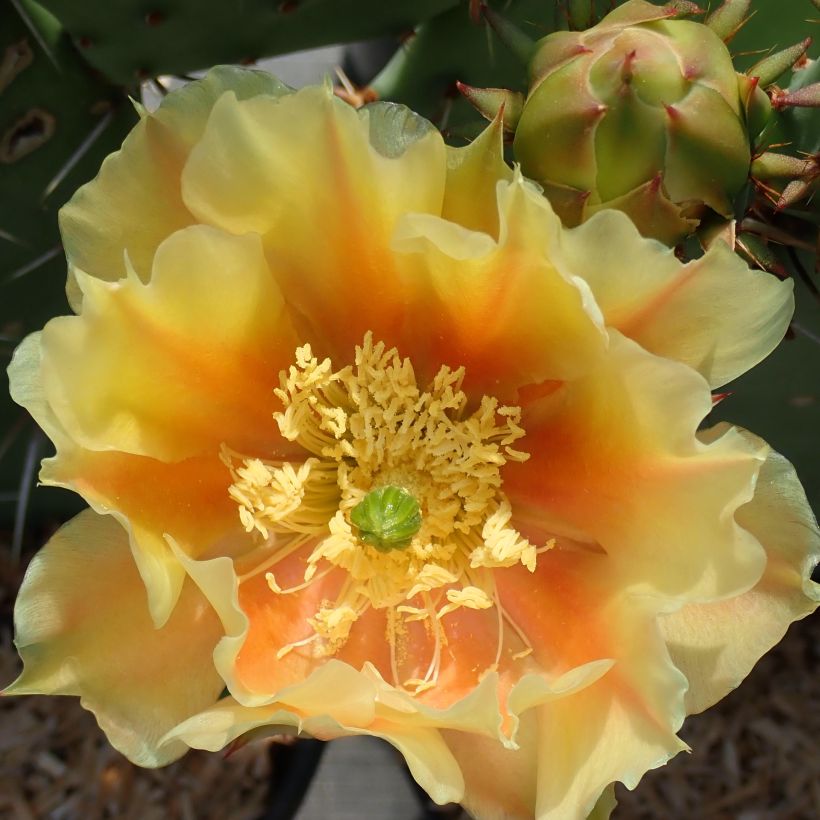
57	123
132	40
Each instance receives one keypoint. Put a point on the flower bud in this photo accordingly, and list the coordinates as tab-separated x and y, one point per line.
641	113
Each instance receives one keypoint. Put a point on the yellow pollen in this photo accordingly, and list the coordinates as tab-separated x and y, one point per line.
369	426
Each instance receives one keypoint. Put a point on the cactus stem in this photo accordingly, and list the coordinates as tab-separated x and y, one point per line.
775	234
678	8
580	14
795	191
10	237
770	193
27	479
16	58
597	111
771	165
757	251
804	331
751	84
495	102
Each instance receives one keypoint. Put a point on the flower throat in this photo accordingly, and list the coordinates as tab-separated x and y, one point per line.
400	491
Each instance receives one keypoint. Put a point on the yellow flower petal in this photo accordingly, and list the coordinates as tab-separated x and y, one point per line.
473	173
609	701
27	389
615	462
193	508
83	628
717	644
714	314
175	367
507	288
135	201
517	625
301	172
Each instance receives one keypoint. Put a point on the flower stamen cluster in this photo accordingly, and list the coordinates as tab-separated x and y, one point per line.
369	426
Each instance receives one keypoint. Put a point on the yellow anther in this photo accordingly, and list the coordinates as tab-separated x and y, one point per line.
374	436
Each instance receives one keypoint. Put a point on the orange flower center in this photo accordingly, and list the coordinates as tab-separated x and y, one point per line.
368	426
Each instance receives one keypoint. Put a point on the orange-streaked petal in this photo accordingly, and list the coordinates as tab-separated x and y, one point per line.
135	202
717	644
714	313
82	628
175	367
574	610
187	500
535	322
301	172
615	461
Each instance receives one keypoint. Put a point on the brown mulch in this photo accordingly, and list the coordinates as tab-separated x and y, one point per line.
756	756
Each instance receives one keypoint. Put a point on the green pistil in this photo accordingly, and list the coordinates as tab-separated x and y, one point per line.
387	518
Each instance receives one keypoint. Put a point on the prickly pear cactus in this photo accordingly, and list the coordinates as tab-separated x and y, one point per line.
642	113
57	123
130	40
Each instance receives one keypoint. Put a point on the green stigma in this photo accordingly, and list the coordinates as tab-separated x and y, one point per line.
387	518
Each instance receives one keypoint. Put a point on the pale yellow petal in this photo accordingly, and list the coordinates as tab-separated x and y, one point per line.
714	313
615	462
429	759
499	783
83	628
536	322
301	172
187	500
175	367
26	387
135	202
473	172
716	645
605	806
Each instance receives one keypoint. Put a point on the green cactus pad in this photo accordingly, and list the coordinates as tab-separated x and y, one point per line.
387	518
133	39
58	120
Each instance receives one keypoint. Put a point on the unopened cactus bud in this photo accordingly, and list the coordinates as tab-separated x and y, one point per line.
641	113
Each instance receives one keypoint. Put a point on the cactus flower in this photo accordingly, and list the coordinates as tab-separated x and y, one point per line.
374	445
641	113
